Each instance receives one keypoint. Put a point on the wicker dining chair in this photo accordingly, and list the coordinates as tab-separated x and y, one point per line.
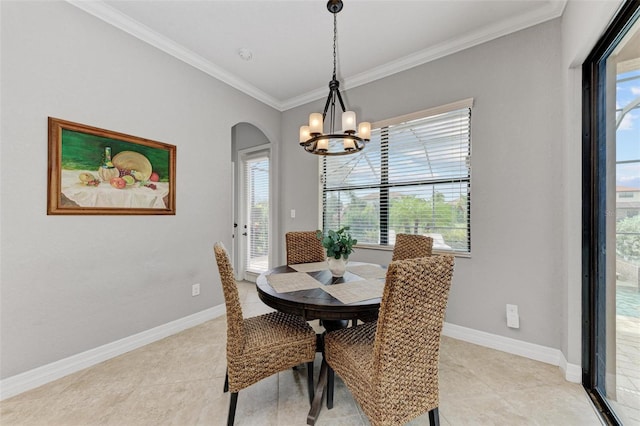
304	247
391	367
258	347
412	246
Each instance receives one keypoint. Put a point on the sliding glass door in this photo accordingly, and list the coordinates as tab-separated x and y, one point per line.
611	215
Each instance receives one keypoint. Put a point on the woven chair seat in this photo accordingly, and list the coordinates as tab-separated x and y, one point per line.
391	366
273	342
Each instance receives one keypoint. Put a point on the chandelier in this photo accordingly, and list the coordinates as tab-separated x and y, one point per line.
312	138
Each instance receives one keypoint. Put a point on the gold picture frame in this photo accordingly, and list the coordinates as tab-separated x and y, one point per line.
100	172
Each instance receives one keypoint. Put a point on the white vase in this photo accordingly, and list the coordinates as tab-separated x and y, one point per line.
337	266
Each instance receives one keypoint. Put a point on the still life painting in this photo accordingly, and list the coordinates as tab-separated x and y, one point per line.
97	171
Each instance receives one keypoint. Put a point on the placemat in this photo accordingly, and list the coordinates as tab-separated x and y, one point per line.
355	291
368	271
310	267
293	281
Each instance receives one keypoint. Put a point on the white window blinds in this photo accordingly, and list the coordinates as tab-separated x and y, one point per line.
412	177
257	185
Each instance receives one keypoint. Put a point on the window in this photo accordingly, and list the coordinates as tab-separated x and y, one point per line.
414	177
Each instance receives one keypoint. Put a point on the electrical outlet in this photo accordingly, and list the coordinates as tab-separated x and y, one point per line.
513	320
195	289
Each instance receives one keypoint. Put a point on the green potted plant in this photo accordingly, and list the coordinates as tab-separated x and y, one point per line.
339	245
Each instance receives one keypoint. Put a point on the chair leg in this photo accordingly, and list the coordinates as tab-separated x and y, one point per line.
226	382
232	408
310	386
330	379
434	417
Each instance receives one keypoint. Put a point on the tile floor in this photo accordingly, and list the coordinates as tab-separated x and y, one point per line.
626	403
178	381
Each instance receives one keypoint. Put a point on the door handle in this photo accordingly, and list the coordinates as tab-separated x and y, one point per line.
244	233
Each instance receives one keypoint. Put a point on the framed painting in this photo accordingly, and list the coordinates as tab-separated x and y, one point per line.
100	172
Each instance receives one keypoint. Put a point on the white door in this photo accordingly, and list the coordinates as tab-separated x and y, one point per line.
254	213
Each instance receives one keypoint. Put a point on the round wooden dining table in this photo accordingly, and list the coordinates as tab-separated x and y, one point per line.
315	303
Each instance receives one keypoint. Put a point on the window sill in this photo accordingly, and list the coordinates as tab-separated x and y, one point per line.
390	249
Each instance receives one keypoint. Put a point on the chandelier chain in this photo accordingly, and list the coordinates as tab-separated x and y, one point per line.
335	37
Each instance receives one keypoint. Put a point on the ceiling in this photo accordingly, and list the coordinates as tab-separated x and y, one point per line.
291	41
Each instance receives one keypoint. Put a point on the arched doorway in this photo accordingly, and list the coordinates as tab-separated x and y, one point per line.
252	183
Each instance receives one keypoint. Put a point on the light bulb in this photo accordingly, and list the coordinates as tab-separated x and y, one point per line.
323	145
348	121
315	123
364	130
304	133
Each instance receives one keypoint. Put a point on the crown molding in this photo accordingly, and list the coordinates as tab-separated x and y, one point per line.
119	20
101	10
552	10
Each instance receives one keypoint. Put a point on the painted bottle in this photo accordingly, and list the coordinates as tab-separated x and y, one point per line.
107	170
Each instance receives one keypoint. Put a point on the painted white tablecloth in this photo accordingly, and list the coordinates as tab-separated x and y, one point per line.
104	195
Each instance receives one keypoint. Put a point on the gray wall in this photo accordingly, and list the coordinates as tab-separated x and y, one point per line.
516	168
72	283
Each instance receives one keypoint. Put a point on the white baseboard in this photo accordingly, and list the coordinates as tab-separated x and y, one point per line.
573	373
47	373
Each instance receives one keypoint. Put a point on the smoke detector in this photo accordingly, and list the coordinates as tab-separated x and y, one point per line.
245	54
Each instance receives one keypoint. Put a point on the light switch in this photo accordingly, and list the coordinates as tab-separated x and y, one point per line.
513	320
293	213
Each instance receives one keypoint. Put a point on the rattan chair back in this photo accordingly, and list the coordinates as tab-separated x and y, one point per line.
407	343
391	367
412	246
304	247
235	328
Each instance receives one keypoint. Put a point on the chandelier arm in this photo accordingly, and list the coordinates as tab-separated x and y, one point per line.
332	123
326	105
340	99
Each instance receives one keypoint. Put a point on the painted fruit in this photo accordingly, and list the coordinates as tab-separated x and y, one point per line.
138	175
118	182
154	177
86	177
129	179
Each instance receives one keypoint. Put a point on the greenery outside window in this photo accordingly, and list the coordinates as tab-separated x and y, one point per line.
413	177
